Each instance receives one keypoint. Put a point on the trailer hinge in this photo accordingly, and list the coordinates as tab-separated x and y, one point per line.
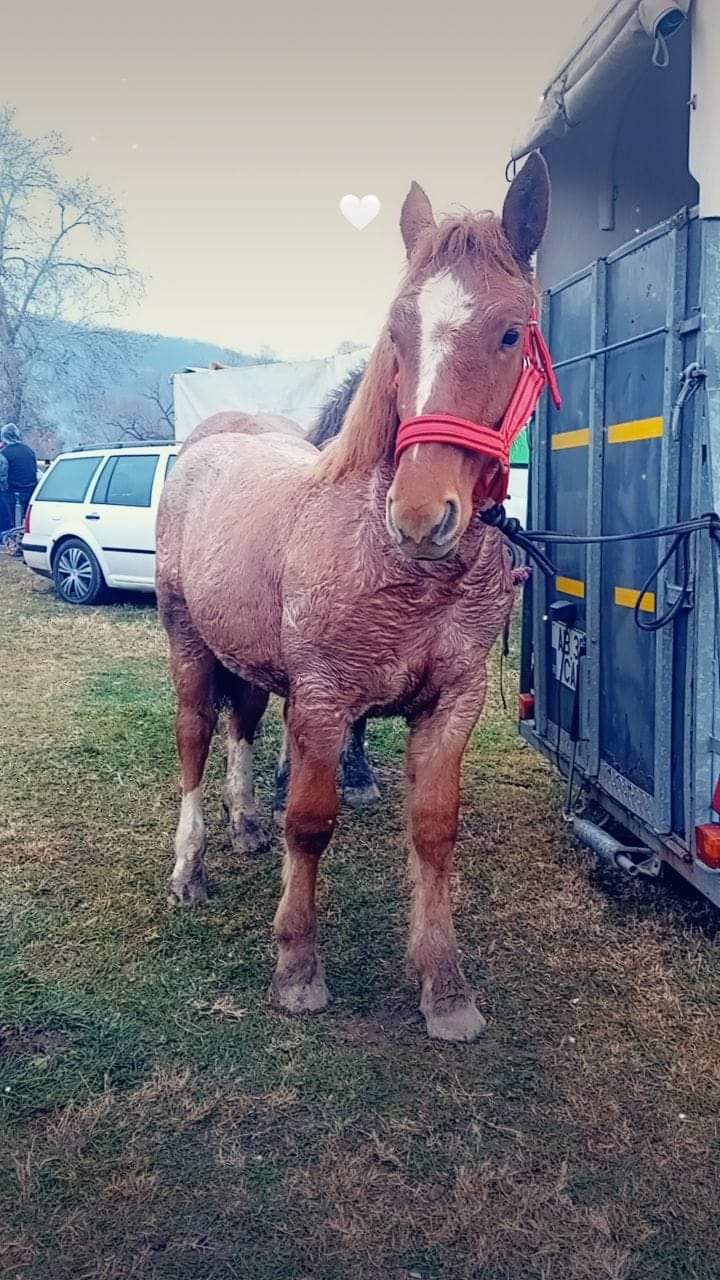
673	592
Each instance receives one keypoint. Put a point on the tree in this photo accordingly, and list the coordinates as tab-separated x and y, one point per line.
63	274
266	355
145	414
347	347
44	440
158	394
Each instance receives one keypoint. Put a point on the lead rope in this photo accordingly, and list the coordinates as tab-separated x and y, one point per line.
681	532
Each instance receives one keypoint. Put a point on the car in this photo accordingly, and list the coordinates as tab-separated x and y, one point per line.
90	524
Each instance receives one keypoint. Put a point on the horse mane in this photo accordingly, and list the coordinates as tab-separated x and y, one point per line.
464	235
334	409
371	421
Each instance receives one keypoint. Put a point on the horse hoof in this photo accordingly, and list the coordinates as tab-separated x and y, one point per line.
461	1024
361	797
292	995
191	893
248	837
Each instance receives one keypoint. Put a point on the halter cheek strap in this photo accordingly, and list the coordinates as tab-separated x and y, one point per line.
493	442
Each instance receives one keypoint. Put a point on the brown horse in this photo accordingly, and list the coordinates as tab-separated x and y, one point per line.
349	584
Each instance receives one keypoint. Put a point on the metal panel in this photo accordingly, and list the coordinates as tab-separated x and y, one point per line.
538	493
704	705
598	337
688	431
631	491
621	334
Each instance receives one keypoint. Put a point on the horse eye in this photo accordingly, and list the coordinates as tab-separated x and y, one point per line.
511	338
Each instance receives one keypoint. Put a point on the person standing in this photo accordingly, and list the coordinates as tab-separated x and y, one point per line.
22	468
7	517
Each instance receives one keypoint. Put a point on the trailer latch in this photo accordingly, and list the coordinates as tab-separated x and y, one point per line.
690	379
673	592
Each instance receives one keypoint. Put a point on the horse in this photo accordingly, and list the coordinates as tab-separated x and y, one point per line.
359	785
359	580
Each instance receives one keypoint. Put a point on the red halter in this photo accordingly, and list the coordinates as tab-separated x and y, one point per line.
494	442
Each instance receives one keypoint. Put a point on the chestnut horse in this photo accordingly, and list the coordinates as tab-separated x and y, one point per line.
359	786
348	583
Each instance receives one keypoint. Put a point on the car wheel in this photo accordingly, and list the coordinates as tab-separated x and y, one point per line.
76	573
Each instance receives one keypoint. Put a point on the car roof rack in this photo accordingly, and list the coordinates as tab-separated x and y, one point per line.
119	444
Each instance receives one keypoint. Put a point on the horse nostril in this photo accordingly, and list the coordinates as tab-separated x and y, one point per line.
445	530
392	527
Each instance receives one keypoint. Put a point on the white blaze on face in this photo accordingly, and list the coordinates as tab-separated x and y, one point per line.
444	306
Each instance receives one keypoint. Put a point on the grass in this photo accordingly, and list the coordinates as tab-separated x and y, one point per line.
159	1120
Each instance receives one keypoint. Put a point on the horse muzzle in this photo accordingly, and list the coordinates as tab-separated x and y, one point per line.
429	531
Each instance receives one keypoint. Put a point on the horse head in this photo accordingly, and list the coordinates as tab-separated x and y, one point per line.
457	331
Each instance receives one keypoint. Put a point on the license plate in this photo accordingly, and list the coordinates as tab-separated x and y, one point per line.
567	646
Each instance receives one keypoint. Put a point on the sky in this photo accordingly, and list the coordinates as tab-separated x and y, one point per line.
229	132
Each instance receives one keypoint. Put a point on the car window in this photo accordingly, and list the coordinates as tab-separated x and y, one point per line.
68	480
172	459
127	481
101	484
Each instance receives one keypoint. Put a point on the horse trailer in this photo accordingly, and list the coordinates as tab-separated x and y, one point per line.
620	670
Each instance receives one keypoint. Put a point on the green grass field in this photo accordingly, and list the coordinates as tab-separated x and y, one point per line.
158	1119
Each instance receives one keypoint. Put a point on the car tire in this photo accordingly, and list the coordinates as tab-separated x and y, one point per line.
76	573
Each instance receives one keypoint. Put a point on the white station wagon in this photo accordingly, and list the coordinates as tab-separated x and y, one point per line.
91	520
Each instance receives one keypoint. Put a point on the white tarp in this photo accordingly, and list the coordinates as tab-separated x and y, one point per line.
297	389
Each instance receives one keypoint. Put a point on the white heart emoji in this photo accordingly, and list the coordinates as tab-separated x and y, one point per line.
359	213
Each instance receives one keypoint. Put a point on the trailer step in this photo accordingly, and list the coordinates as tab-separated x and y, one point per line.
632	860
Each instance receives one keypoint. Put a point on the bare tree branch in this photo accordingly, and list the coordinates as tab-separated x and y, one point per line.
62	267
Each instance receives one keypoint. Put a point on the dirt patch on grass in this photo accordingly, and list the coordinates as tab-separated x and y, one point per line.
372	1033
28	1044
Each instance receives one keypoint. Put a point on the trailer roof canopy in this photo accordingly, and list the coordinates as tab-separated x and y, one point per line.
616	43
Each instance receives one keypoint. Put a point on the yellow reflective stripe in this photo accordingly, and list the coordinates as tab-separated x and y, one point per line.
639	429
617	433
629	598
571	587
570	439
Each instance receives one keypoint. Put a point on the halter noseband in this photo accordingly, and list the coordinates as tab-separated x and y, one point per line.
494	442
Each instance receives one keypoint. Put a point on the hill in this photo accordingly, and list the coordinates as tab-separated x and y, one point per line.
89	385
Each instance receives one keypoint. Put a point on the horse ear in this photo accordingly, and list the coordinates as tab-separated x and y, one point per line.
526	208
416	216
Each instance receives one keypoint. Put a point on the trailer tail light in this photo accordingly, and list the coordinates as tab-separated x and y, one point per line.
708	844
526	706
26	521
715	802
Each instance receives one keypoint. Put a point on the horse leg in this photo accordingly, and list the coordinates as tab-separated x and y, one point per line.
247	707
434	757
282	776
359	785
196	717
299	982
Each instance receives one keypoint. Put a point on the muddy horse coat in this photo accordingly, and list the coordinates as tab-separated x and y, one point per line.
349	581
